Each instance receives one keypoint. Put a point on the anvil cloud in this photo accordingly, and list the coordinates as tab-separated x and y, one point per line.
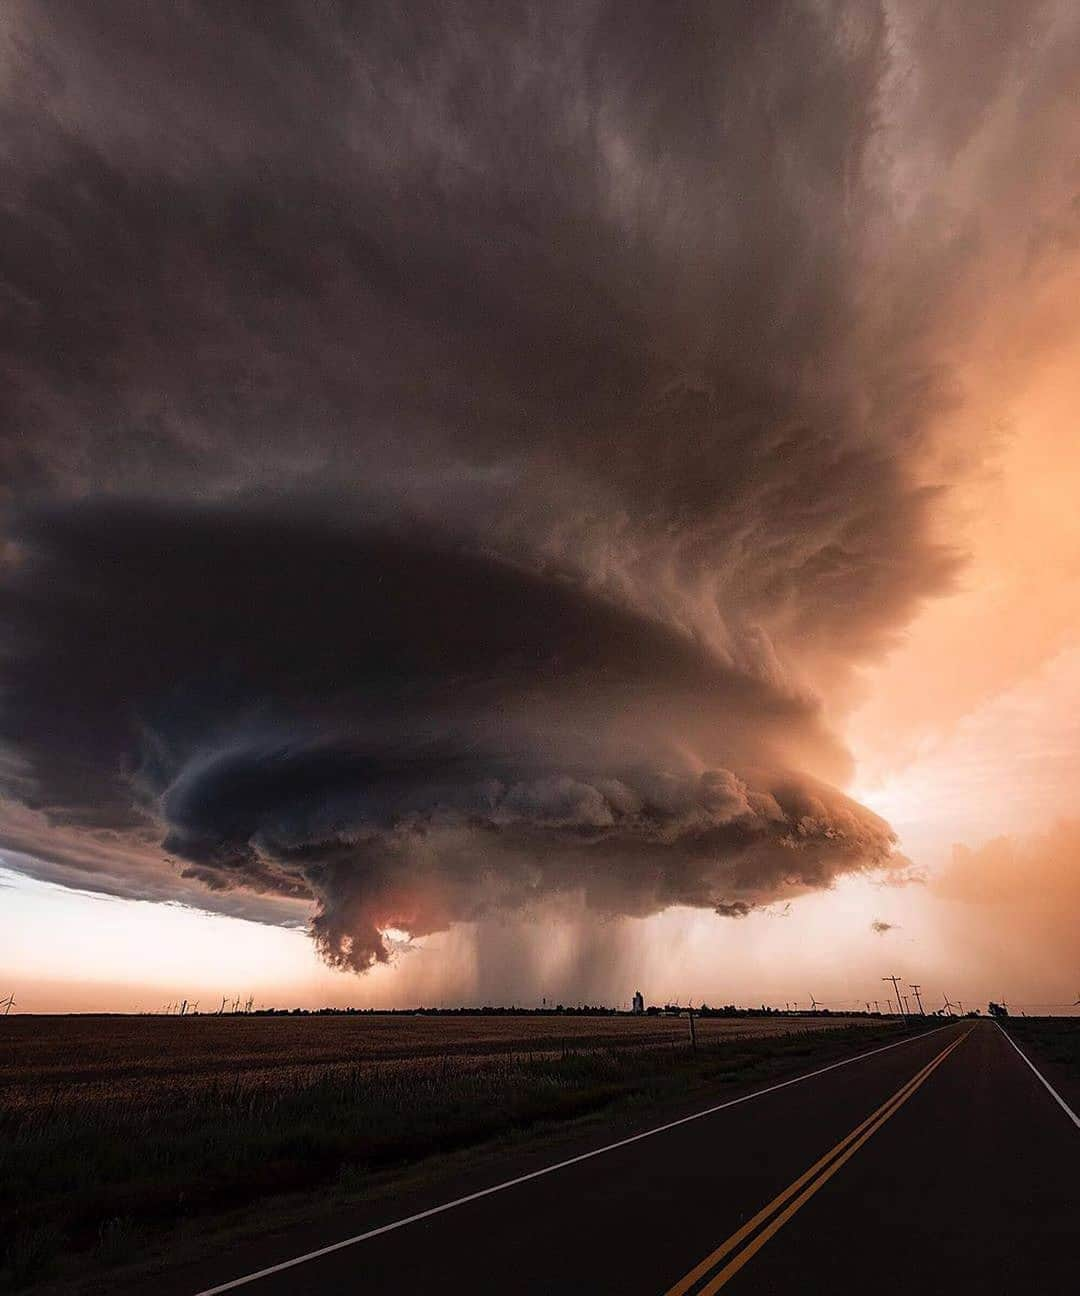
459	456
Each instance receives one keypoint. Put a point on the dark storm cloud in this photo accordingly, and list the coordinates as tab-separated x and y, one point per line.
405	734
457	454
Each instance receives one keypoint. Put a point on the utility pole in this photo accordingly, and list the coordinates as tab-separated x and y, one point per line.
693	1037
922	1010
896	991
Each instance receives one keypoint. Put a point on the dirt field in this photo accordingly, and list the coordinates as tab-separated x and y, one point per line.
46	1061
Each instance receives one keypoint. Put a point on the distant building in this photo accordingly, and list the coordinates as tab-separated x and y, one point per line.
638	1002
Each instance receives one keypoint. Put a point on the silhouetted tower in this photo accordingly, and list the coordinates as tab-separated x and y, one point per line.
638	1002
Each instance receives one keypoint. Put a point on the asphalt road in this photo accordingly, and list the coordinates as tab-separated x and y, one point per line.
940	1165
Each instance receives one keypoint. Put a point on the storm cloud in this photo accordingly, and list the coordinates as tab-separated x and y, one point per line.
406	734
459	456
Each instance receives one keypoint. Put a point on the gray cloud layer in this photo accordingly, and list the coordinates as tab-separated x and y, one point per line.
457	455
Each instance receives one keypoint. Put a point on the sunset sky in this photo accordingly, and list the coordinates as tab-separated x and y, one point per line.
539	500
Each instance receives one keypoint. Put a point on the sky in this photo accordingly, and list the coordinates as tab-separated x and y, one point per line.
537	501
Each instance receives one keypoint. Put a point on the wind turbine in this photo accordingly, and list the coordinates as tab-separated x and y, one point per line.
7	1004
813	1004
1076	1003
950	1006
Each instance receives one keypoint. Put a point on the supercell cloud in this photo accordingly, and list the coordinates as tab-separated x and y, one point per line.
459	456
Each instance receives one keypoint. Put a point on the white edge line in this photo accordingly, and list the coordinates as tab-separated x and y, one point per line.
1042	1079
562	1165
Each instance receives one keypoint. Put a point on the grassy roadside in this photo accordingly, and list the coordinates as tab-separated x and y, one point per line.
1057	1040
1054	1040
91	1191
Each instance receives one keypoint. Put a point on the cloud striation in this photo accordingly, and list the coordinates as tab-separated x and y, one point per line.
458	457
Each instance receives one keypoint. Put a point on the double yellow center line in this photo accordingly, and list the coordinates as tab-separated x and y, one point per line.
775	1215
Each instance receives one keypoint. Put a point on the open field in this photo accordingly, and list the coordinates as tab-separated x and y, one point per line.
115	1130
69	1062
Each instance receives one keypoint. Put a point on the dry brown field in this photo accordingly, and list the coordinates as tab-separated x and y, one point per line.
62	1061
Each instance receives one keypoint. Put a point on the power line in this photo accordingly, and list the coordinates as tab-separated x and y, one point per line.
896	991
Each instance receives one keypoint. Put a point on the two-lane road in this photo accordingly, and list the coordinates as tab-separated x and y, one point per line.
939	1164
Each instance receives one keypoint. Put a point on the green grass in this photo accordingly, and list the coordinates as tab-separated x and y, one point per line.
99	1181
